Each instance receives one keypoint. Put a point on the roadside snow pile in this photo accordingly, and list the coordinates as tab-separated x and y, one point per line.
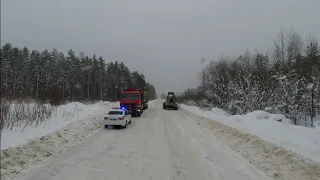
275	161
61	116
219	112
270	127
69	125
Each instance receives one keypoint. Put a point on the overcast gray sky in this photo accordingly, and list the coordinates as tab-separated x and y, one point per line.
164	39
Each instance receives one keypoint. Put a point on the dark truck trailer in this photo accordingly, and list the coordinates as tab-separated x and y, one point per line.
133	100
146	100
170	102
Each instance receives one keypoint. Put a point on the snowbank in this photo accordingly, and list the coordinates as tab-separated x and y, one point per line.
61	116
69	125
275	161
302	140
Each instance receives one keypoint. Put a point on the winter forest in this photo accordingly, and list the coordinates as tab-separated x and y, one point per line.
284	80
58	78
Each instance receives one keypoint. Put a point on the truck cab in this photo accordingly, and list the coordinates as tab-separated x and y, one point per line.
133	100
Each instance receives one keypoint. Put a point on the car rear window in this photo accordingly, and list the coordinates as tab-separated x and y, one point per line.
115	113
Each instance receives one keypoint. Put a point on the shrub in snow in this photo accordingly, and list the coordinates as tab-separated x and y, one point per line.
22	114
204	104
190	103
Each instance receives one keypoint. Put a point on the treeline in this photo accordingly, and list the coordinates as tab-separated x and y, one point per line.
285	80
55	77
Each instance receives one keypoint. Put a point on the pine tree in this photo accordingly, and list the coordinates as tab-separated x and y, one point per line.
54	77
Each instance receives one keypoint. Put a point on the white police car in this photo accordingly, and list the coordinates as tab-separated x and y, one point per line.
117	117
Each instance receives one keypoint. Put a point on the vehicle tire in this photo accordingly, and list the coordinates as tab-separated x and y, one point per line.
130	121
125	126
138	114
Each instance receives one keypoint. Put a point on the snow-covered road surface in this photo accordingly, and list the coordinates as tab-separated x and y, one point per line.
159	145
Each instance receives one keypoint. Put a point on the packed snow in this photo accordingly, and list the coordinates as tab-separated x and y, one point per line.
149	148
61	117
274	128
206	148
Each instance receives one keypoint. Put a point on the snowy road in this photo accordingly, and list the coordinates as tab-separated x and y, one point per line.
160	145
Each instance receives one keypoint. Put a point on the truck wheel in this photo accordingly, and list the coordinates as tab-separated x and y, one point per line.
138	114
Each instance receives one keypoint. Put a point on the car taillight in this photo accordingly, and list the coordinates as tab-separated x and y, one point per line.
121	118
105	118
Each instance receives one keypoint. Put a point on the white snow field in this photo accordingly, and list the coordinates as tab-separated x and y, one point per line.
159	145
302	140
62	116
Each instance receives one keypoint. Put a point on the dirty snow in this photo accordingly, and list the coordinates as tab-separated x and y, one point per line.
302	140
159	145
62	116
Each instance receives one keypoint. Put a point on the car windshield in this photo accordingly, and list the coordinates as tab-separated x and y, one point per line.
115	113
130	96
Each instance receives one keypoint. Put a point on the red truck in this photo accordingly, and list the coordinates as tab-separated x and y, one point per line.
134	101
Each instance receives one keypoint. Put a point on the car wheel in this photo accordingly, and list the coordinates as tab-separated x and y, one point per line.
125	126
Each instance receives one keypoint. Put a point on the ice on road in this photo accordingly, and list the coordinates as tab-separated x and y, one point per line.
159	145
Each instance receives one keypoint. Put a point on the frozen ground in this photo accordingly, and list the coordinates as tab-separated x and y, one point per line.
302	140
